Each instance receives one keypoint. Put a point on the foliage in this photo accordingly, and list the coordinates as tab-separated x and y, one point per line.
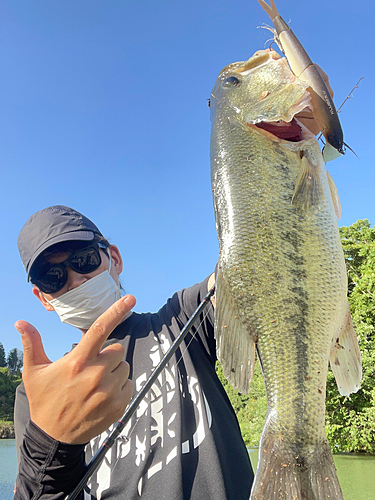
6	430
350	421
250	409
15	361
10	378
8	386
2	356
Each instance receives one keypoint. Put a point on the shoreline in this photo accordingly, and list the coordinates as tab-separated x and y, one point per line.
7	430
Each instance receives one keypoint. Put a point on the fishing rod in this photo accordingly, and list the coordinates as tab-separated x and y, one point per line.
107	444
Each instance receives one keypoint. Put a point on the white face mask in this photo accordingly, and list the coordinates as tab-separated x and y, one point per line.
83	305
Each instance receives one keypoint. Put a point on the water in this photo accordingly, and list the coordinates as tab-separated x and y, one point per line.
8	468
356	472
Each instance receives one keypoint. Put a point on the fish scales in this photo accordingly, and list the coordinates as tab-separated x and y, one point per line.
281	283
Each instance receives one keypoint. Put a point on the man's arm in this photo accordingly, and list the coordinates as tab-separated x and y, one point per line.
47	468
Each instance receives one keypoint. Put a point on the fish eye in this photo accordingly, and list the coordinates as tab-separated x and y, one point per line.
231	81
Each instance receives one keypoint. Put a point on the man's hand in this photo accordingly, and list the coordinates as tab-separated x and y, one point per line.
210	284
82	394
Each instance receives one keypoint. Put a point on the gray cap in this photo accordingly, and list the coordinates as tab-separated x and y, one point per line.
50	226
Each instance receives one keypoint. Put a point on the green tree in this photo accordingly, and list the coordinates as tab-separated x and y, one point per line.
350	421
15	361
2	356
8	386
250	409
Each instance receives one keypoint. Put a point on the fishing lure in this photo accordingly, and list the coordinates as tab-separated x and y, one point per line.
324	113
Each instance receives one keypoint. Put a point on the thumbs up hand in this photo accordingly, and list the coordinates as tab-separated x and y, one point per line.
79	396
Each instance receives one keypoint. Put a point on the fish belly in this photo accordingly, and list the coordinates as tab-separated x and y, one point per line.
281	286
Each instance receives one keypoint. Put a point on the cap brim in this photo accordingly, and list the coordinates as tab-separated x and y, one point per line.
71	236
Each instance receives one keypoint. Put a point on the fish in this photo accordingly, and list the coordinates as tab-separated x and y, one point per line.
324	110
281	284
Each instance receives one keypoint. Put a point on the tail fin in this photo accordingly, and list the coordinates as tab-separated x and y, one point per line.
288	472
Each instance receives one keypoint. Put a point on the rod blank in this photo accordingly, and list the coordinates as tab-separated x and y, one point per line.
97	459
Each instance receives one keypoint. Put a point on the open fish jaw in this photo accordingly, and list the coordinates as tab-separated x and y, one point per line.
281	283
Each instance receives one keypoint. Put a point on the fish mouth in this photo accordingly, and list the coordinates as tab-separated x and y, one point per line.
292	131
293	128
287	131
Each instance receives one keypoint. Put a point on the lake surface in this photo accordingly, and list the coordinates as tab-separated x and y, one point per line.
356	472
8	468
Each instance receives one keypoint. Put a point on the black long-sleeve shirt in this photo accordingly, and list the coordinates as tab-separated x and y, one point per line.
183	442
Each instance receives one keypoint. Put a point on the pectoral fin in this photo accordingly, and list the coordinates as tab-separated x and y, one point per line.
235	344
345	358
309	191
335	196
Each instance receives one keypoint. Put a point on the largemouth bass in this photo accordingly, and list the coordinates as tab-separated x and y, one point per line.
281	282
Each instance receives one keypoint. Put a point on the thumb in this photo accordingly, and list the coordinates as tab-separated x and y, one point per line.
33	350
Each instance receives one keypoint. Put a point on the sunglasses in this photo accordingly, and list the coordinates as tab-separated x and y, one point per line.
84	261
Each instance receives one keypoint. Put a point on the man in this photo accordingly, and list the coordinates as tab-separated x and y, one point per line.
184	441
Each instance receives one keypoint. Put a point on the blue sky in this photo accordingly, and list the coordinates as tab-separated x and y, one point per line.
104	108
